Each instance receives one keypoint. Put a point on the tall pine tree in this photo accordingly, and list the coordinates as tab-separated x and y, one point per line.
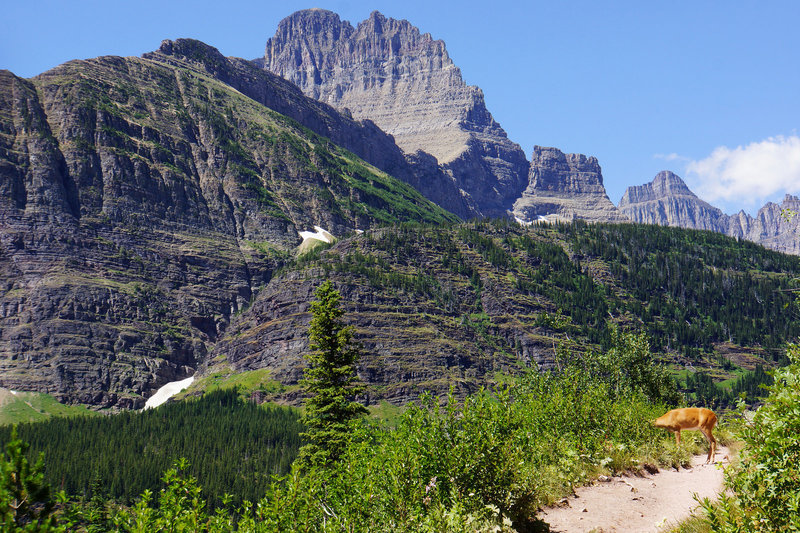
330	381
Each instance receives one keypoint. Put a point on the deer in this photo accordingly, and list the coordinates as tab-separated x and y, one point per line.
690	418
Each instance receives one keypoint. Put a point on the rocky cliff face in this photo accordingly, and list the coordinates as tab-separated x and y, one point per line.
772	226
565	186
386	71
667	201
143	202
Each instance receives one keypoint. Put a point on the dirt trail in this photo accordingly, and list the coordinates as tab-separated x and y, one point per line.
638	504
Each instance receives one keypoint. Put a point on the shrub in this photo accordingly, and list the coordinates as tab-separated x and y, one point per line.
766	484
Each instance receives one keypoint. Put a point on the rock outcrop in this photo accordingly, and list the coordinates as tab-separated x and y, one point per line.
386	71
144	201
564	187
667	201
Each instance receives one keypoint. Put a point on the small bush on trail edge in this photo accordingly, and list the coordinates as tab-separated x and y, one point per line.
765	484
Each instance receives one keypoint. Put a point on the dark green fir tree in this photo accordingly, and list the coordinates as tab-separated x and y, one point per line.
25	503
330	381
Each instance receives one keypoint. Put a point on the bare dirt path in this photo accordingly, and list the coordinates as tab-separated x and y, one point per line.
638	504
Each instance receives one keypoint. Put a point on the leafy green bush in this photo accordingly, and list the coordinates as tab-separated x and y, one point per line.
491	460
766	483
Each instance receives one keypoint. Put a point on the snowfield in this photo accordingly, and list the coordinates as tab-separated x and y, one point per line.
319	234
167	391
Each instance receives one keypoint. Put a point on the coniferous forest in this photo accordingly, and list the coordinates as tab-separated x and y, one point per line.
232	446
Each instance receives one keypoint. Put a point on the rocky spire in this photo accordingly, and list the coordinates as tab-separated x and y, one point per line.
667	201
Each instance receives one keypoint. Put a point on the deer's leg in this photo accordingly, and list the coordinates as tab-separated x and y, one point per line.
712	444
678	437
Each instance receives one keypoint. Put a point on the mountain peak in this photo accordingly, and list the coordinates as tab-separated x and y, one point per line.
668	201
667	182
387	71
567	186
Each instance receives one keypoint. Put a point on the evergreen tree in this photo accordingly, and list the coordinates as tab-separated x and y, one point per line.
25	503
330	381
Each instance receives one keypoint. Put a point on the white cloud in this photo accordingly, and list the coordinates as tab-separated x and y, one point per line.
671	157
748	174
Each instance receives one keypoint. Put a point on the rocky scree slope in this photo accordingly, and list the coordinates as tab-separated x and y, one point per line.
667	201
143	202
442	307
387	71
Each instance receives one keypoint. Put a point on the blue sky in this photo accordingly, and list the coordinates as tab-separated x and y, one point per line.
709	90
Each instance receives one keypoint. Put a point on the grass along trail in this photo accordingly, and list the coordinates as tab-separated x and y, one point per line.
651	503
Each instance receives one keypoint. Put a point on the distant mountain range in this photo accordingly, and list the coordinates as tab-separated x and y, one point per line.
667	201
386	71
153	213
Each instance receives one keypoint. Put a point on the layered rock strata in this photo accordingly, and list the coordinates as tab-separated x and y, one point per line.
667	201
565	187
144	201
386	71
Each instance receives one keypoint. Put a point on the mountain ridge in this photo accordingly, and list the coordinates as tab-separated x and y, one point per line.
386	70
667	201
151	208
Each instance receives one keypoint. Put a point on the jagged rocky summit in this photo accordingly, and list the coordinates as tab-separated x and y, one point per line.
386	71
667	201
564	187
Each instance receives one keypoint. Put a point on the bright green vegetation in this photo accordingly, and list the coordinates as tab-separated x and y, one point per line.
33	407
245	383
234	447
25	502
765	485
487	462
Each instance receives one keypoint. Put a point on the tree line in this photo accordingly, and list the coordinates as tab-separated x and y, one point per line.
234	446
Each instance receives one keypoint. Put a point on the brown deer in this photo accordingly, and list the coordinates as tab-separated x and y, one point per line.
690	418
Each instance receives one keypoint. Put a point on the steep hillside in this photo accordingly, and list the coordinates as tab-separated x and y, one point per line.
143	201
441	307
